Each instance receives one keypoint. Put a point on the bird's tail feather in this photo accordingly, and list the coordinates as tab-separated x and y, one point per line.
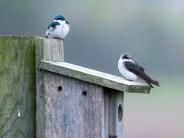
155	82
149	80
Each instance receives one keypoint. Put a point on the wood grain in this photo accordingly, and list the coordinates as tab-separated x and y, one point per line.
17	87
47	49
69	113
113	124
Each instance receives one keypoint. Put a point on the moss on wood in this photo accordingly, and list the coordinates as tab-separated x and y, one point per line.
17	87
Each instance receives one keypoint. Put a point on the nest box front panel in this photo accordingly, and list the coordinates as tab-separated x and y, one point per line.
73	108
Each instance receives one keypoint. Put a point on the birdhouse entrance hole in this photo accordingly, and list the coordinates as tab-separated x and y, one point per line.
120	112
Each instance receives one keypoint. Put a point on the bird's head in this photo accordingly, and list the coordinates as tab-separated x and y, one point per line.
126	56
59	18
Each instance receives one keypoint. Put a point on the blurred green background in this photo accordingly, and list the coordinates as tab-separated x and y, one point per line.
152	31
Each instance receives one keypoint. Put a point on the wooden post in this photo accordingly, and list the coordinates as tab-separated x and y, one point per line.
51	50
17	87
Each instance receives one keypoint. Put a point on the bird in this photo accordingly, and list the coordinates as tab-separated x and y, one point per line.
132	71
58	28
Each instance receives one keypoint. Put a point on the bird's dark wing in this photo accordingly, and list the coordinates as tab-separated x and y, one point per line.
133	67
139	71
53	25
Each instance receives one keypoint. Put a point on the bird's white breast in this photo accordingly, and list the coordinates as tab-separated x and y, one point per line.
64	28
125	73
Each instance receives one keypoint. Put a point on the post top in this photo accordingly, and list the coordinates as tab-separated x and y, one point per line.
95	77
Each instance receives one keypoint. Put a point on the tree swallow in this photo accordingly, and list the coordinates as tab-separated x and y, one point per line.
59	28
132	71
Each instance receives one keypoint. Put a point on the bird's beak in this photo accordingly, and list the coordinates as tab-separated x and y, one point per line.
67	22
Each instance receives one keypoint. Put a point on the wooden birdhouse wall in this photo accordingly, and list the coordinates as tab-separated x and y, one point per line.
79	109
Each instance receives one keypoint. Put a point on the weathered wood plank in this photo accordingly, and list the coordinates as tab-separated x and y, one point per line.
113	113
48	49
17	87
73	108
106	115
95	77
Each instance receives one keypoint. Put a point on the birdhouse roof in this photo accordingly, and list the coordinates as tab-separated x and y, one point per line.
95	77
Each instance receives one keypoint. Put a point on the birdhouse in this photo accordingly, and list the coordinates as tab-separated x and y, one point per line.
71	101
